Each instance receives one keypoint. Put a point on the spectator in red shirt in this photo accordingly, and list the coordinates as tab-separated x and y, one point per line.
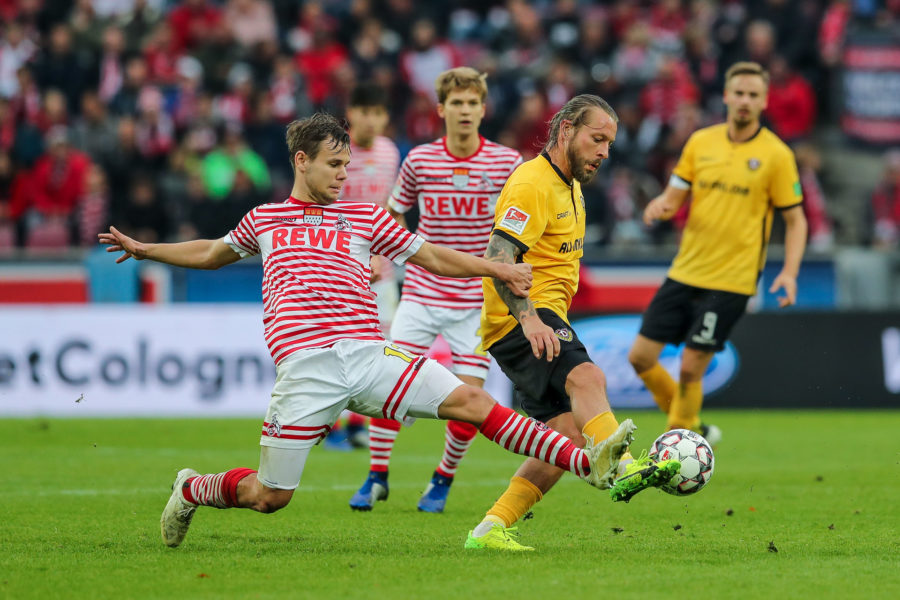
809	164
792	102
318	62
52	191
192	22
884	209
672	87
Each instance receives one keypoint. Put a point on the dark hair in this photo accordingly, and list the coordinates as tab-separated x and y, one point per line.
309	133
368	94
575	110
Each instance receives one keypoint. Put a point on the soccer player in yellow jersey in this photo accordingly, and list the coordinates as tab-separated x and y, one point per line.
539	219
738	173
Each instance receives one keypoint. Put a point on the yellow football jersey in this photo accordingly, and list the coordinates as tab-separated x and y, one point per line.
734	187
543	214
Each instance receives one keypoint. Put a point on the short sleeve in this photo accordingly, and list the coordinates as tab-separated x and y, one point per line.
242	238
405	191
521	215
391	240
684	170
784	187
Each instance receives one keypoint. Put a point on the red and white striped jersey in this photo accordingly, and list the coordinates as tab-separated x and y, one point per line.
372	172
456	198
316	269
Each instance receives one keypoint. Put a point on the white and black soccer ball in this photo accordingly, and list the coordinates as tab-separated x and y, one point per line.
695	455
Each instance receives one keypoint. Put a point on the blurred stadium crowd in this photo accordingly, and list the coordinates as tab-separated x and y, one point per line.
167	117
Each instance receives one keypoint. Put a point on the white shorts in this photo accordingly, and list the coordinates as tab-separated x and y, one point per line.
416	326
376	379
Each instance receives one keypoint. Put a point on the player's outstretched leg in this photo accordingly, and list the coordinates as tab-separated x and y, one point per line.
382	435
597	463
458	438
643	473
191	490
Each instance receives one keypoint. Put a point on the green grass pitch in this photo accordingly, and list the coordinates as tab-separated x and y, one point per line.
802	505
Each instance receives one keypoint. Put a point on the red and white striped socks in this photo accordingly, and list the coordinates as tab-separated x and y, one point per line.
382	435
216	489
457	440
532	438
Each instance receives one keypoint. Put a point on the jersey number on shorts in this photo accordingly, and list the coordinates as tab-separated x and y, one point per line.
709	325
391	351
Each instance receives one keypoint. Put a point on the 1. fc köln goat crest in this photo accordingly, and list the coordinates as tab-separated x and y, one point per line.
460	178
312	215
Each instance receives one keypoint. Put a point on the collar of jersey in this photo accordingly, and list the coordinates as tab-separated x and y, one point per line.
748	140
555	168
304	202
461	158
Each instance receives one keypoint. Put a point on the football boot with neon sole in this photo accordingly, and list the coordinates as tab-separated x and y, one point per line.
374	489
177	516
435	497
604	457
498	538
641	474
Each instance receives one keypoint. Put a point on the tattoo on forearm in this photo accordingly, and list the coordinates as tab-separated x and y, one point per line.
502	250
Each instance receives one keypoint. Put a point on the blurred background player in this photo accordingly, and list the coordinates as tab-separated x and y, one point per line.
738	173
371	174
540	219
455	180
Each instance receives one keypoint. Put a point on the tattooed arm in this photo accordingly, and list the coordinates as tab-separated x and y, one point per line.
501	249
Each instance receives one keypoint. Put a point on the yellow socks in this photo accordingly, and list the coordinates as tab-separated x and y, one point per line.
601	427
685	410
517	500
661	385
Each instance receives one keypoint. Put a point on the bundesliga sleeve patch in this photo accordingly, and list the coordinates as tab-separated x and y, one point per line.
515	220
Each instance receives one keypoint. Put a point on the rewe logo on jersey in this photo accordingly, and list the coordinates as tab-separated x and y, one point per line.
451	206
329	239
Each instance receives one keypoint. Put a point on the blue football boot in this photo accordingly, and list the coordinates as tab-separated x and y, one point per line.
374	489
435	496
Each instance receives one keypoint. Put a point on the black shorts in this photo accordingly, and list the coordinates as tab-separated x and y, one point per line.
540	386
699	317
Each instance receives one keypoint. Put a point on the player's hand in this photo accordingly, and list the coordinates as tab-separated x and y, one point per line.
659	209
789	284
518	278
543	341
119	242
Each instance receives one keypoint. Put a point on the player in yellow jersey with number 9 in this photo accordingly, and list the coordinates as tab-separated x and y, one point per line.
738	174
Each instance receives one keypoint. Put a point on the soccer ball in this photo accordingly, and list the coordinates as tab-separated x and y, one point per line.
694	454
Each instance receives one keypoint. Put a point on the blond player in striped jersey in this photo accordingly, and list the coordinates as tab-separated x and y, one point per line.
455	181
321	326
370	176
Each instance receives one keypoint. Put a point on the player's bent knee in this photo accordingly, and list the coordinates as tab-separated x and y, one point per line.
466	403
586	376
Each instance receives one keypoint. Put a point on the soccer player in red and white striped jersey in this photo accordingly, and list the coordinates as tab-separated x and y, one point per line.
322	330
370	177
455	181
